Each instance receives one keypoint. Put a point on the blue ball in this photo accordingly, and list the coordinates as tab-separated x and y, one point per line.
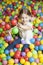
31	59
1	45
36	48
19	64
41	24
8	57
6	51
41	47
15	49
32	40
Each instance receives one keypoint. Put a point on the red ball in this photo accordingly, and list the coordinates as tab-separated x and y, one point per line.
26	50
32	5
34	12
39	28
35	36
17	55
37	43
7	26
14	22
26	58
0	60
18	52
17	45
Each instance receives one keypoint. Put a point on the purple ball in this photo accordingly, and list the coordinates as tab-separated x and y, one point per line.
16	61
9	37
23	41
23	54
4	62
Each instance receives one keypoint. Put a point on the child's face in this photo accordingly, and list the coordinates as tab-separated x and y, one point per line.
27	18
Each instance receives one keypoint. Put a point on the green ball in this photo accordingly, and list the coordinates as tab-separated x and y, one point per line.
15	30
1	30
0	12
36	25
4	58
35	30
3	3
38	15
0	63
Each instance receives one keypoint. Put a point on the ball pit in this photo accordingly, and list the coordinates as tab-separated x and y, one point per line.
14	51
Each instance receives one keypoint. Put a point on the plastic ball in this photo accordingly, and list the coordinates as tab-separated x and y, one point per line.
26	50
4	62
16	61
11	61
31	59
35	30
27	63
41	42
36	48
7	26
39	28
31	46
37	43
41	47
8	57
14	22
22	60
23	54
26	58
15	30
0	63
37	60
33	63
29	54
15	49
6	51
1	30
32	40
11	54
17	45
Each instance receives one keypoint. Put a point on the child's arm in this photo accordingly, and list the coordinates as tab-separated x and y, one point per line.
25	27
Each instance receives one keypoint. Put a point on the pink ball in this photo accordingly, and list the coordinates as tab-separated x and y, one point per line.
11	50
37	60
4	62
16	60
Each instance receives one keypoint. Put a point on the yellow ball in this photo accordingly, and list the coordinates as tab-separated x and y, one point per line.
22	60
41	41
37	21
33	63
3	55
1	21
7	19
39	63
39	52
41	60
21	45
39	36
29	54
15	64
6	45
31	46
11	61
35	56
40	55
11	54
27	63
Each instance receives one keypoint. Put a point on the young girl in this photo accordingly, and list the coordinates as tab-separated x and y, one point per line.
25	26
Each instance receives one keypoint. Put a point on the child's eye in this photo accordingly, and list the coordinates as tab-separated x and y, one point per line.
29	20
